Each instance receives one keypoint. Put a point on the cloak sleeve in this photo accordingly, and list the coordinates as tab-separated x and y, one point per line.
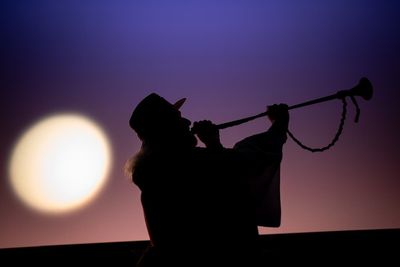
263	152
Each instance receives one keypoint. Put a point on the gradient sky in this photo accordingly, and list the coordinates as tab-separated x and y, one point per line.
230	59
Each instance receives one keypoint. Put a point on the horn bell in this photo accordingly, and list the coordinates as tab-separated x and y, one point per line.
363	89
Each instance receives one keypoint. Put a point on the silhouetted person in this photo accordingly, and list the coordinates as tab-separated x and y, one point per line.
202	205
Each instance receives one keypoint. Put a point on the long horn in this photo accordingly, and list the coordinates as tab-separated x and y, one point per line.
363	89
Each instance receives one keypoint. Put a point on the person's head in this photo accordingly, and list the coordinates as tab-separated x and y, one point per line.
159	123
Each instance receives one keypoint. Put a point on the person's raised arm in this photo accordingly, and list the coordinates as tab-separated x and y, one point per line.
263	155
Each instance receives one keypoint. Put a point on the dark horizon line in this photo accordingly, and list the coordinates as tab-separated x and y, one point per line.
308	248
352	232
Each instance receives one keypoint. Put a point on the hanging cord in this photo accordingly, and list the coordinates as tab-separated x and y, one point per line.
353	99
339	131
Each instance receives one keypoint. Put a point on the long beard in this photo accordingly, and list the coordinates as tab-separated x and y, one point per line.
174	142
189	140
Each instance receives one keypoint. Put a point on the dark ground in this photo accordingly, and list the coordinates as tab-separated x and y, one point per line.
372	247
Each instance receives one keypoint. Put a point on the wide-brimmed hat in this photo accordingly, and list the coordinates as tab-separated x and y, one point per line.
151	111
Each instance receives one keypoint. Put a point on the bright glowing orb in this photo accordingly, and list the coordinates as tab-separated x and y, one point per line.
60	163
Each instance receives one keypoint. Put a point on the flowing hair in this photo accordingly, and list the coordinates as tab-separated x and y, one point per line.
131	163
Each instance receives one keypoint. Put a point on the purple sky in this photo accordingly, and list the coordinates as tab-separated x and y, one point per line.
230	59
